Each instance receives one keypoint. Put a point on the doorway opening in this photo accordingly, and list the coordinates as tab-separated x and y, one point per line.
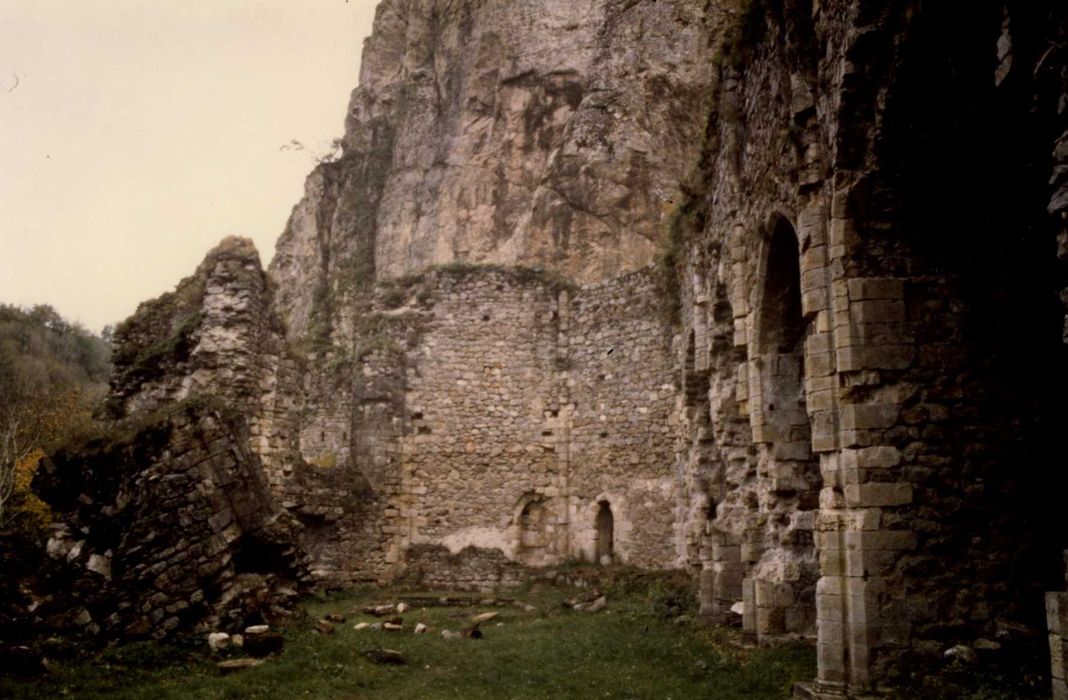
605	524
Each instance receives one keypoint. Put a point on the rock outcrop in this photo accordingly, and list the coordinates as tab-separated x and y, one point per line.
551	134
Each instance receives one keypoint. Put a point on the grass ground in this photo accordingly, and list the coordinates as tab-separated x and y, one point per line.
635	648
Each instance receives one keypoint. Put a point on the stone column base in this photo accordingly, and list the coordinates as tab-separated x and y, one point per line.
814	690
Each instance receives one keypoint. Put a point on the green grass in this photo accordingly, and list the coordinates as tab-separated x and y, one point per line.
625	651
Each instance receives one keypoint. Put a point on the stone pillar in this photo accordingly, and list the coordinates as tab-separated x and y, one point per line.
1057	619
859	599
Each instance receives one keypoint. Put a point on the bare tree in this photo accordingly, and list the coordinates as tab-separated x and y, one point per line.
20	436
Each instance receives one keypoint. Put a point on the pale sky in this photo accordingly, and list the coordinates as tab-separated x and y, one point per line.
141	132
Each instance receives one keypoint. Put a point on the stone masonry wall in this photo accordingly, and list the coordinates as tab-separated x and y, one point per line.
529	403
480	391
893	343
434	567
171	529
848	426
620	431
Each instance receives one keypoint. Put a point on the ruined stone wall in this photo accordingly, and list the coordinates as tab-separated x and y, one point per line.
495	408
889	341
435	568
528	404
481	389
619	428
213	334
847	425
170	528
331	425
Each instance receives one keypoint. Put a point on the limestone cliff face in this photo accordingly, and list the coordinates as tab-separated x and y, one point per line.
551	133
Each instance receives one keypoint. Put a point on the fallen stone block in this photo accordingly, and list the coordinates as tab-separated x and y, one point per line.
234	665
961	653
218	640
385	656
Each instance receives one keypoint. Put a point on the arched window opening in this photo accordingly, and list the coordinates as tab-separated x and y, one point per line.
782	326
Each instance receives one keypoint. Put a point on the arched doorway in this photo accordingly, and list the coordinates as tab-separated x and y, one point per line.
605	524
782	590
532	533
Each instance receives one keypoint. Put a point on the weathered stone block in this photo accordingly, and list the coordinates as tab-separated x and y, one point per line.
813	301
881	539
877	494
877	311
854	359
864	288
831	497
1057	652
842	233
819	364
877	457
818	343
1057	612
830	659
867	416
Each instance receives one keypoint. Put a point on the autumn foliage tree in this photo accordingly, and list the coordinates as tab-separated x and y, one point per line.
52	373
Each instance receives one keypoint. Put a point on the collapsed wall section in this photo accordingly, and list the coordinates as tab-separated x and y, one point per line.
170	528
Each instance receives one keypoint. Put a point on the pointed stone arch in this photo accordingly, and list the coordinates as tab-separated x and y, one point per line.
780	590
